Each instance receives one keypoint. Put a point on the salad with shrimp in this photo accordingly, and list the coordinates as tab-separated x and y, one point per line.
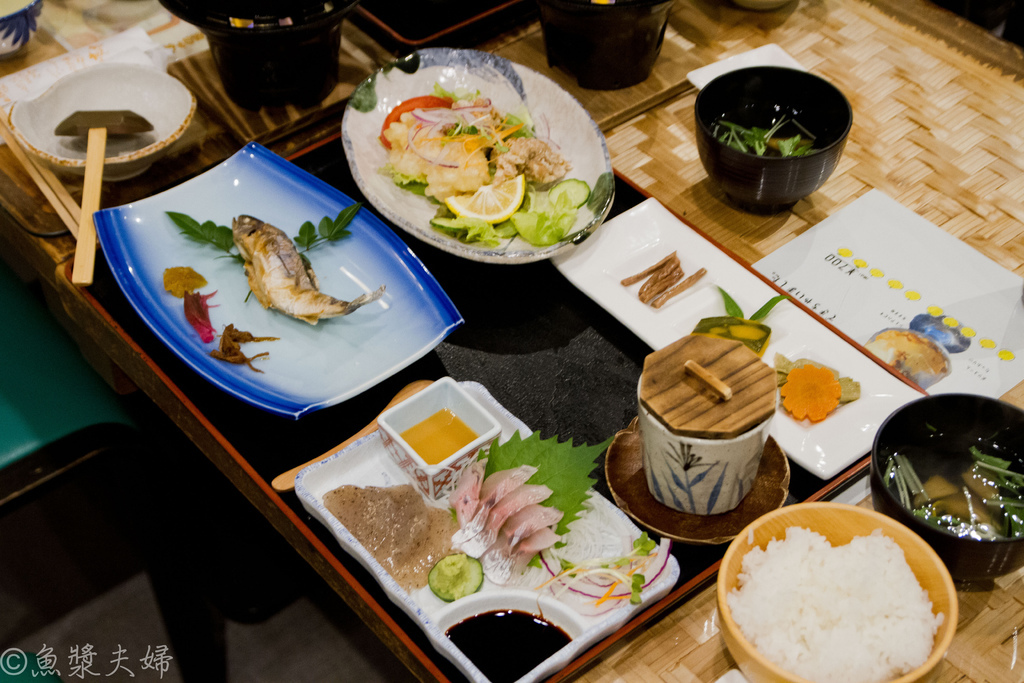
488	171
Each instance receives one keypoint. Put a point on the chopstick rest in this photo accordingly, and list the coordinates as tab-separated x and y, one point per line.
95	124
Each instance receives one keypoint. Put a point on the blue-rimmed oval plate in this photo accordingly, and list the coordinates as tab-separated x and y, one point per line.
310	366
557	116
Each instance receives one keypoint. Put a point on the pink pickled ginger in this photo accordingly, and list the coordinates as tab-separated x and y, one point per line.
197	313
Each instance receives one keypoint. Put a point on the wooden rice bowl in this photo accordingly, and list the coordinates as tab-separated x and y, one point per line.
839	524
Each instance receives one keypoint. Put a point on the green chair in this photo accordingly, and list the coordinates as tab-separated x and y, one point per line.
55	411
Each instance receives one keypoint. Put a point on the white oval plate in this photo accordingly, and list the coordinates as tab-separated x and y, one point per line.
556	114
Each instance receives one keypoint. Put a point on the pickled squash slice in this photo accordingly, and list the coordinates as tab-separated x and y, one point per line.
751	332
811	392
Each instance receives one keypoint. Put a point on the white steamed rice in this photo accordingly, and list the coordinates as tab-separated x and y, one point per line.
849	614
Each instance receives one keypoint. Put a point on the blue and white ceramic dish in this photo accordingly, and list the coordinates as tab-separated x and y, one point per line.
601	531
309	366
17	27
556	115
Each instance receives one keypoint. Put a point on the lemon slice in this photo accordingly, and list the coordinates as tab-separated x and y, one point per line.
491	203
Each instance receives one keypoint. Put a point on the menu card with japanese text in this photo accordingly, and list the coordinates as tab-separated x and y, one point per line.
928	304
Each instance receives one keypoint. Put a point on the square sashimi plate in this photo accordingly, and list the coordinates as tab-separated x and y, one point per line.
647	233
309	366
602	530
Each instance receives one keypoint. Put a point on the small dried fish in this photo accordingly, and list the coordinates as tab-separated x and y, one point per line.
281	279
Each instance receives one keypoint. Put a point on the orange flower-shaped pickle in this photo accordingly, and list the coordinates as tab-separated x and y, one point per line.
811	392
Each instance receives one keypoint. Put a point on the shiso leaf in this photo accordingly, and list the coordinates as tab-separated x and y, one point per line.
566	469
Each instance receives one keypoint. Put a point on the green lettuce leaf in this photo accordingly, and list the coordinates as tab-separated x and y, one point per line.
547	223
455	95
469	230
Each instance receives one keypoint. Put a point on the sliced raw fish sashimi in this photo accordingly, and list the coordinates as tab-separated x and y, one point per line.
497	562
513	502
466	497
537	541
493	489
501	483
529	519
502	561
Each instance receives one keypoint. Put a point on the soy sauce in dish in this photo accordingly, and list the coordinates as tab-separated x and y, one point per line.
480	637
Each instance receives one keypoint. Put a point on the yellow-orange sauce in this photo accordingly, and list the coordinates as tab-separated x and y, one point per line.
439	436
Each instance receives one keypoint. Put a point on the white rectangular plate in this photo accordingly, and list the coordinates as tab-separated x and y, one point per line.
365	463
647	233
766	55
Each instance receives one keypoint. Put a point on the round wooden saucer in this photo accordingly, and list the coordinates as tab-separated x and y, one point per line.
624	469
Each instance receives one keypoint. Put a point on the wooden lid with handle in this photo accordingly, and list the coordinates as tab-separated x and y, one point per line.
723	392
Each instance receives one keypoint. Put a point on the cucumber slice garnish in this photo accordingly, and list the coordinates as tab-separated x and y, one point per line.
576	191
456	576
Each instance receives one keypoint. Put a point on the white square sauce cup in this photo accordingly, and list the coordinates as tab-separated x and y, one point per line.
436	481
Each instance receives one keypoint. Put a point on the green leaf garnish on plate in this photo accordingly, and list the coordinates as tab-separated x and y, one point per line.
566	469
207	232
328	230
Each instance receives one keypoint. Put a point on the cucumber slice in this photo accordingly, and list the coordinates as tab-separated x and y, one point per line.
576	191
456	576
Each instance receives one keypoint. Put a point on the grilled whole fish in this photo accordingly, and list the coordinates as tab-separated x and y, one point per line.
281	279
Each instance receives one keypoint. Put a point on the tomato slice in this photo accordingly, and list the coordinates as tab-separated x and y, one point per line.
421	102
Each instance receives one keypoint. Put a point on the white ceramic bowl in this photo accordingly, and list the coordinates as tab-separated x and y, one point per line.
540	604
160	98
556	114
436	481
18	26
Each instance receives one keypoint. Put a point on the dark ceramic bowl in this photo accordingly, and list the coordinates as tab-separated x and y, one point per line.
606	46
270	53
759	96
943	427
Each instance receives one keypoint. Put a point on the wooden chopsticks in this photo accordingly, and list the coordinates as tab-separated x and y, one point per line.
60	199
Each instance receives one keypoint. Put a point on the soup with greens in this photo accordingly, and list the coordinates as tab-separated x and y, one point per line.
963	483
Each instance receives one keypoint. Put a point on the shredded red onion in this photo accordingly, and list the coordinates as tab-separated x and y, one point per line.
542	129
415	133
586	591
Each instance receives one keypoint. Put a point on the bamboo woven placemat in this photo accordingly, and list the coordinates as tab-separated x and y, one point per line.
687	646
936	129
933	128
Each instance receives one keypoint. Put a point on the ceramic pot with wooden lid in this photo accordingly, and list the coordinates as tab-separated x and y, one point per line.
705	406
